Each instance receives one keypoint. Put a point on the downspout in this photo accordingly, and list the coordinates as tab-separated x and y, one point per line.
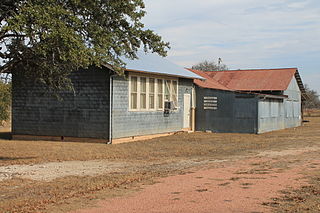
193	110
258	114
110	108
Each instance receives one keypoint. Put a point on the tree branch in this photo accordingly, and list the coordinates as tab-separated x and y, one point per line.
11	35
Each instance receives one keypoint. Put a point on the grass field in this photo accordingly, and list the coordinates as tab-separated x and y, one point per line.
23	195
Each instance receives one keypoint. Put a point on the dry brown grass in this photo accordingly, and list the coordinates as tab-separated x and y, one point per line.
182	145
20	195
305	199
311	113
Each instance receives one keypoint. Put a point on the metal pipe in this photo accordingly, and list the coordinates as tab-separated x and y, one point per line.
193	110
110	107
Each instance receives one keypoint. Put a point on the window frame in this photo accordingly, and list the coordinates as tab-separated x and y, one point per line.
135	92
143	93
155	94
152	93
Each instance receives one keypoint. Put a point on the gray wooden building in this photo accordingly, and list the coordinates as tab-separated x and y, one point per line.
153	97
249	101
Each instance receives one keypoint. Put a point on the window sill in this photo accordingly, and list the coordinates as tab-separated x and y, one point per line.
148	110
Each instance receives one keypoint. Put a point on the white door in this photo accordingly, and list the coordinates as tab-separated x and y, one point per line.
186	110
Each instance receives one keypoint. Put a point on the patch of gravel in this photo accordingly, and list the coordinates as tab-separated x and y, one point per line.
51	171
288	152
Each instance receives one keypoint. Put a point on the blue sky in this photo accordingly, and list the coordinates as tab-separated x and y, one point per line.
244	33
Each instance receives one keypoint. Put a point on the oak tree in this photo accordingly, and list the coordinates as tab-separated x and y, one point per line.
5	100
45	40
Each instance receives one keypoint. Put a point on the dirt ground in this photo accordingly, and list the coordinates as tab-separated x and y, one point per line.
198	172
234	186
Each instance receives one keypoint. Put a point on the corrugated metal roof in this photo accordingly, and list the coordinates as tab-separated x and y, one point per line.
255	80
153	63
208	82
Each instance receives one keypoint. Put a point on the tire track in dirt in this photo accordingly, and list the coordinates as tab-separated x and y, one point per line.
53	170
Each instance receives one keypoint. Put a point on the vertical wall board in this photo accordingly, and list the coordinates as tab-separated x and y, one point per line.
293	105
84	113
234	113
275	114
127	123
271	116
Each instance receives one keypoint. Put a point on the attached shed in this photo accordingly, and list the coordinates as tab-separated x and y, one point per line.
248	101
154	96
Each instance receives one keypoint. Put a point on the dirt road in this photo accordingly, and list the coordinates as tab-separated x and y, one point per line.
233	186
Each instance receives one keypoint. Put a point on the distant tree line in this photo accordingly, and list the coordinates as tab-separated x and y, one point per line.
210	66
313	100
5	100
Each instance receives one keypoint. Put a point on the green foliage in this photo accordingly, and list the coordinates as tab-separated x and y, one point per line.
313	100
45	40
5	101
210	66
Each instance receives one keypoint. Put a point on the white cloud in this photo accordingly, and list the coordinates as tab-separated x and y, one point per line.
245	33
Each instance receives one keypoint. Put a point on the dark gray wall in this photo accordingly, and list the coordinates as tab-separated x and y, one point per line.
127	123
235	113
83	114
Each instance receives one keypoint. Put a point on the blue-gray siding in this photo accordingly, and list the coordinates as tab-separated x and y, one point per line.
127	123
277	114
84	113
235	113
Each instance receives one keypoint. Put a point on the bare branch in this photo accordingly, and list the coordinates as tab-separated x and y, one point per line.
11	35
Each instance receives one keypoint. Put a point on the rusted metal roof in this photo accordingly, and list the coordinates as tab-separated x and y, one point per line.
255	80
207	82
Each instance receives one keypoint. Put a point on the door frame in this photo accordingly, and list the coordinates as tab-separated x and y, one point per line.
187	111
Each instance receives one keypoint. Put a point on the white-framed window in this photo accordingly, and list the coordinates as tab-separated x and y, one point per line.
160	101
150	93
133	92
167	88
143	93
171	91
174	92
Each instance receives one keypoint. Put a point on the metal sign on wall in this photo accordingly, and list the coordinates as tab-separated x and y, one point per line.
210	102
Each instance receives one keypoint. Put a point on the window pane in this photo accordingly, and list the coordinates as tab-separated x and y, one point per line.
167	90
151	101
134	84
151	93
160	101
143	85
143	101
151	85
160	86
174	93
174	87
160	94
134	90
143	95
134	101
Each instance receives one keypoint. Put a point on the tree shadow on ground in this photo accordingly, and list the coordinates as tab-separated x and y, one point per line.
5	135
15	158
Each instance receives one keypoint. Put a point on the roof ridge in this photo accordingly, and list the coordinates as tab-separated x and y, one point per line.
251	69
209	78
